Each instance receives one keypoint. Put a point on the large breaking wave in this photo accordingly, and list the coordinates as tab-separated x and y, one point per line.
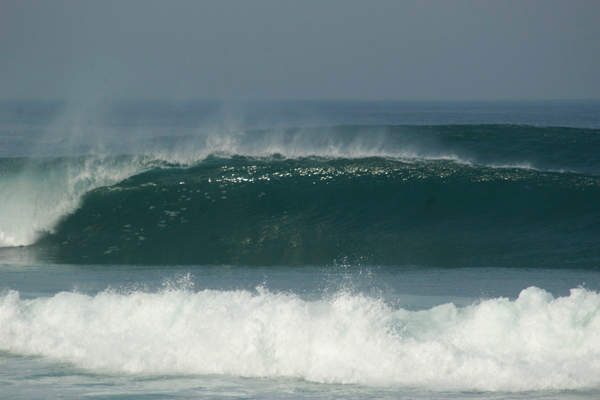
446	196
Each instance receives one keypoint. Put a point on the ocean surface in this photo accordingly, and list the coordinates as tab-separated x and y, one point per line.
299	249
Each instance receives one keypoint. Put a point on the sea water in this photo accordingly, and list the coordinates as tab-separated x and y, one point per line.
300	249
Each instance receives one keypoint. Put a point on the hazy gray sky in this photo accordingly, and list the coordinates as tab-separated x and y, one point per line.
300	49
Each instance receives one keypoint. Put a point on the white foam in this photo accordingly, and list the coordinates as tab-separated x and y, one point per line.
535	342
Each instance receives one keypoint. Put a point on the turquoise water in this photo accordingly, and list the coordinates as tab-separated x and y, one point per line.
300	249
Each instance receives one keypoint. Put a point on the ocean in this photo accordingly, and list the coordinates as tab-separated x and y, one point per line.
299	249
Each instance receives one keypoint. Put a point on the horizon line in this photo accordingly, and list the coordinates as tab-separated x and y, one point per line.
232	100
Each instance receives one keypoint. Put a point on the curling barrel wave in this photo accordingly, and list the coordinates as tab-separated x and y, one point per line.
386	212
443	196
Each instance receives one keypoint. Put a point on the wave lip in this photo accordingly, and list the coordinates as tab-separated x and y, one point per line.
35	197
535	342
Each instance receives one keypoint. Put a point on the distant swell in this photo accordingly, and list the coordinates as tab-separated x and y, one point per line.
535	342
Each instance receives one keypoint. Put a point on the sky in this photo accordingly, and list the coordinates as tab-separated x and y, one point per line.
403	50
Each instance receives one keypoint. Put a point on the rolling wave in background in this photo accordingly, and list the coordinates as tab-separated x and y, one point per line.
483	195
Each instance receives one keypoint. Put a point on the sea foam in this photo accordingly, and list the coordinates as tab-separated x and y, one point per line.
534	342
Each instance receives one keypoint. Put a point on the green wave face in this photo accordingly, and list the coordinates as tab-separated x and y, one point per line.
319	212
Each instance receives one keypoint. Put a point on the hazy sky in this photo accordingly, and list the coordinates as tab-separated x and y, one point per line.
300	49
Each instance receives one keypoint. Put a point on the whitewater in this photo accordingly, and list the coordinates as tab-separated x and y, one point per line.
534	342
302	249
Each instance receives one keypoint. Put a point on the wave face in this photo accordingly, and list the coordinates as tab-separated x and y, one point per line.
444	196
535	342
